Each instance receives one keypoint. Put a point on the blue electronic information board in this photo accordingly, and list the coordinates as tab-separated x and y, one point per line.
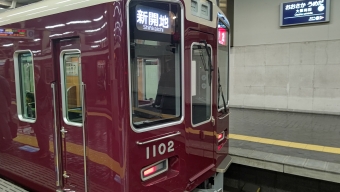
304	12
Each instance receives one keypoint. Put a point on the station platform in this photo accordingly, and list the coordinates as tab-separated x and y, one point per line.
306	145
6	186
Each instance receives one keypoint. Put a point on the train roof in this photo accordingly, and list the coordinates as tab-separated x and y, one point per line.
45	8
50	7
223	17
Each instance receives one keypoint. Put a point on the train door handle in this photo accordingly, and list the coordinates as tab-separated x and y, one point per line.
63	132
65	175
57	151
213	121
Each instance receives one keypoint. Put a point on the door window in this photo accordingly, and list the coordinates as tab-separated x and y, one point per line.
201	83
71	87
25	85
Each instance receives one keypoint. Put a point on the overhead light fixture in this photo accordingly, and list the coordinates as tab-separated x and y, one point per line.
4	20
5	4
76	3
27	11
63	2
43	11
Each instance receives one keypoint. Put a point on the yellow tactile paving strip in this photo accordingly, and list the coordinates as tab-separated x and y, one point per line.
289	144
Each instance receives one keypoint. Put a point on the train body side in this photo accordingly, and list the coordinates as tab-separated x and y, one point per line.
102	58
114	159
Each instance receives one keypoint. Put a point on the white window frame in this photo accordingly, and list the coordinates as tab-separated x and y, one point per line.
63	86
19	91
181	54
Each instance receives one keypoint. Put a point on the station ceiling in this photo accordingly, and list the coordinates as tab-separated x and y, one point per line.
9	4
223	6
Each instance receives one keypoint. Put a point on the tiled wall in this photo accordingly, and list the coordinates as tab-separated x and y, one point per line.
293	76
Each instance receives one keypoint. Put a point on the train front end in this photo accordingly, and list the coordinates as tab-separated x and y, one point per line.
115	96
178	114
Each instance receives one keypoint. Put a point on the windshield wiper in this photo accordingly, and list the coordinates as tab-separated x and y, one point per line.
210	69
220	92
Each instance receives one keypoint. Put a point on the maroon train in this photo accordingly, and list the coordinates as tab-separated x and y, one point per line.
102	95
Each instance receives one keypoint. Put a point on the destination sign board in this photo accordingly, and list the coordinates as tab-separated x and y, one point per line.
153	20
304	12
7	32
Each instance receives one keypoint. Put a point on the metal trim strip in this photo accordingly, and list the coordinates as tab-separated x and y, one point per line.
158	139
83	86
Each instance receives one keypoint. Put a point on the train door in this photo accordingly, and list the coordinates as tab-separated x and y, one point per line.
69	113
202	120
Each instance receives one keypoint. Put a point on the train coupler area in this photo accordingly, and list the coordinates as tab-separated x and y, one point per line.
214	184
207	190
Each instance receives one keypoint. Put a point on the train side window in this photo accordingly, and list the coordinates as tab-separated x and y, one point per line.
200	84
223	66
25	86
71	87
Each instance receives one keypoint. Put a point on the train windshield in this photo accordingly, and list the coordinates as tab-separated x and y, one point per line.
155	63
223	66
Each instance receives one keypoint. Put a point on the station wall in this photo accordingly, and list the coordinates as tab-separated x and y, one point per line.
293	68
